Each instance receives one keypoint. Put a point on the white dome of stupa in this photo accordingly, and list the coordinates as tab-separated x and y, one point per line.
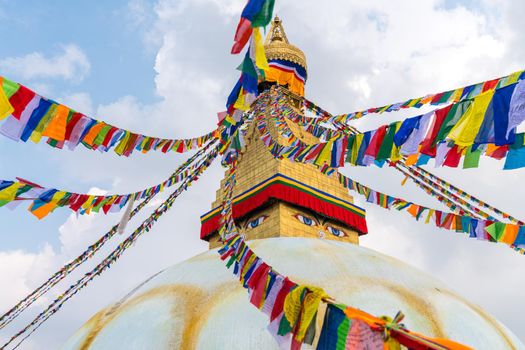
199	304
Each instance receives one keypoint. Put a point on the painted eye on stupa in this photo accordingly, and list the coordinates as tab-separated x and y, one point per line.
256	222
335	231
305	220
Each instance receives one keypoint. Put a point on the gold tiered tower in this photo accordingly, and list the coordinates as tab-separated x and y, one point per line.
279	217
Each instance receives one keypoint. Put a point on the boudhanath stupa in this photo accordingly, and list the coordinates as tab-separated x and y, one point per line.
304	223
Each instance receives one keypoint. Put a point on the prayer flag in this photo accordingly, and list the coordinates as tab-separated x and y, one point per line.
264	16
56	129
516	156
466	129
517	107
20	99
335	329
472	158
5	106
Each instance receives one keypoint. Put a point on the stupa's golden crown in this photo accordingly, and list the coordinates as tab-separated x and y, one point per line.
278	47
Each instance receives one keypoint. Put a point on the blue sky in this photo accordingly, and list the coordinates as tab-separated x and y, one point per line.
120	64
163	68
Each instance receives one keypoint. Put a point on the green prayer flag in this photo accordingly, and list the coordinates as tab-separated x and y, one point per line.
342	333
248	67
471	159
351	140
496	230
386	146
453	116
102	135
446	95
52	142
46	119
10	87
519	141
284	326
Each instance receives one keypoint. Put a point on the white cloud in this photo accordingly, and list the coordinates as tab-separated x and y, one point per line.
68	63
22	270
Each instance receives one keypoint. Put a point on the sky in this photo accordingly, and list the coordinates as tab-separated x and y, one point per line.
163	68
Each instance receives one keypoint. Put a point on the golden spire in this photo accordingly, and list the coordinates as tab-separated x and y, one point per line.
278	47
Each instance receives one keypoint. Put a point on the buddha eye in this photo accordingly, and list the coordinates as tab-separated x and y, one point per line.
305	220
335	231
256	222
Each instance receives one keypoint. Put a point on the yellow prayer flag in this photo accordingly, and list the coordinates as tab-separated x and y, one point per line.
465	131
240	104
325	154
429	215
5	107
122	144
302	312
456	96
414	102
395	155
513	78
9	193
260	57
355	148
36	135
87	204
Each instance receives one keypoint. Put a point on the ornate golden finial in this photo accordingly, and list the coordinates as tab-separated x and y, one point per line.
277	45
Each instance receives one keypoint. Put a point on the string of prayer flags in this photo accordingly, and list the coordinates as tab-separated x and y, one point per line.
485	125
430	182
106	263
451	96
46	200
470	197
58	276
486	230
25	115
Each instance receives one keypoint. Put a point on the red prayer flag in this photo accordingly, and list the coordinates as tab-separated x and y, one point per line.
79	202
279	300
375	143
500	152
436	98
453	157
242	35
426	145
75	117
490	85
20	99
109	136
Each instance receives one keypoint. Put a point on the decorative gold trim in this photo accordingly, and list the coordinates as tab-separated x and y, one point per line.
277	45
